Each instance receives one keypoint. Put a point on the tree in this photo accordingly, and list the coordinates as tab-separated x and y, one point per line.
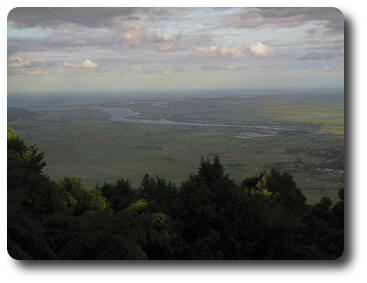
283	189
119	195
207	217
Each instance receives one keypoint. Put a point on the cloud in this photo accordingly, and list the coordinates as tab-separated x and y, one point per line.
85	65
14	62
167	37
27	17
165	42
36	71
320	56
132	36
148	68
157	68
168	42
330	19
219	51
259	49
327	68
16	65
157	40
92	17
90	39
136	68
164	46
327	29
219	67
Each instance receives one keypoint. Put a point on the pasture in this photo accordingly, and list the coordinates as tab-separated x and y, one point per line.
80	140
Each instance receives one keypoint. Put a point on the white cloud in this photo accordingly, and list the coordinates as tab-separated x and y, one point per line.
15	62
167	36
164	46
135	68
166	42
259	49
16	65
132	37
219	51
327	68
85	65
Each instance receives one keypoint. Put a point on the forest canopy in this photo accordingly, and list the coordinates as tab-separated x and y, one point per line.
207	216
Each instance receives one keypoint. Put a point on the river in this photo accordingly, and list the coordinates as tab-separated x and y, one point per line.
121	114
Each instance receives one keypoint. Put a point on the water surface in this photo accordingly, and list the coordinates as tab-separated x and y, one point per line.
121	114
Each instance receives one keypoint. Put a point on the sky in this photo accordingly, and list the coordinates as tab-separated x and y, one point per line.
142	49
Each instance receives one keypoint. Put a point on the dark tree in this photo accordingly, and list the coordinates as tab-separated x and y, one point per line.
207	217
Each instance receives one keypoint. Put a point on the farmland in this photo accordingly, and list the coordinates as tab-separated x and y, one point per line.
81	140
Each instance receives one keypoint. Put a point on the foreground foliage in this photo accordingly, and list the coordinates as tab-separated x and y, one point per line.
207	217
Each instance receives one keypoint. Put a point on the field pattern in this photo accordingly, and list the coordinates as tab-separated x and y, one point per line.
81	140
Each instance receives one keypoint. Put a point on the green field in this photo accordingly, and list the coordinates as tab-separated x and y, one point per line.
80	140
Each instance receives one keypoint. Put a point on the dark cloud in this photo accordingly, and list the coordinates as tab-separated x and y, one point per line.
307	14
155	40
78	28
48	17
331	19
330	28
311	45
90	17
61	41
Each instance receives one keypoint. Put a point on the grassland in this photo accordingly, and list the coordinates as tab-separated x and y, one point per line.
326	113
79	140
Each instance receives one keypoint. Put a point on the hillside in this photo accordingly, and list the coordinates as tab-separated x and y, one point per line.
15	113
207	217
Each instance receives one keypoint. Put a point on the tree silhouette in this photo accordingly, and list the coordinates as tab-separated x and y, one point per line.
208	216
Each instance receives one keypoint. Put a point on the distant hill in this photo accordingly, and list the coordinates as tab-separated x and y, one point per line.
15	113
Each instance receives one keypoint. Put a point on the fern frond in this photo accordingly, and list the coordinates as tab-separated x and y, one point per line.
31	241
